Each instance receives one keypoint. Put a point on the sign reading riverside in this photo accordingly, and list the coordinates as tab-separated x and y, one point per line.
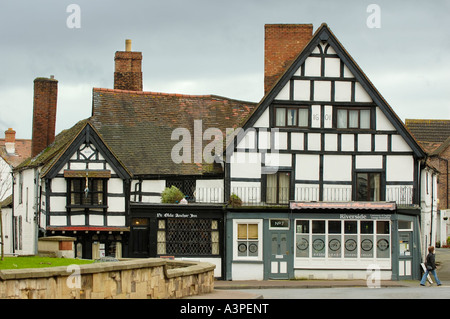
364	216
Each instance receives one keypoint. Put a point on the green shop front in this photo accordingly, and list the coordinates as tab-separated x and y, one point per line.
320	240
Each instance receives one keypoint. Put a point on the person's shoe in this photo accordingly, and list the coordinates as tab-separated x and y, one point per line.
422	285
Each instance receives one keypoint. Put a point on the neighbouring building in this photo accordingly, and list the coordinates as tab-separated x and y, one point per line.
434	137
12	152
320	179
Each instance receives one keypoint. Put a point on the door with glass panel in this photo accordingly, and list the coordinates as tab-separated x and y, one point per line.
279	255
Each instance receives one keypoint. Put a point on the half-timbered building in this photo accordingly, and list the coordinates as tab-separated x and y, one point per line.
334	168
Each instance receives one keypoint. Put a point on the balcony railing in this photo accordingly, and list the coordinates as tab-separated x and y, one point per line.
252	196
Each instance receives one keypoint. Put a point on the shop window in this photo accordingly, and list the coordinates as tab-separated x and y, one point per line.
368	186
188	237
277	189
348	239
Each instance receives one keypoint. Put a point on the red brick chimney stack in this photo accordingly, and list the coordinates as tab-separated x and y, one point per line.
44	113
128	71
283	42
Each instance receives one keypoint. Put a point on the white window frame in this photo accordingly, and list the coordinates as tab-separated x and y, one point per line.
358	262
237	222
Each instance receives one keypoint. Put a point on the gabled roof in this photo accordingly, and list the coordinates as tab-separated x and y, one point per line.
323	33
53	158
138	126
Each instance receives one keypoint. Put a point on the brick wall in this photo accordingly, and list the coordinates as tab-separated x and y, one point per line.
44	114
128	72
283	42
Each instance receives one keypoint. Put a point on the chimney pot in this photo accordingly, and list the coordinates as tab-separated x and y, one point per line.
128	45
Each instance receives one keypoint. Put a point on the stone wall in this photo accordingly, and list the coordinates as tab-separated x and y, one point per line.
152	278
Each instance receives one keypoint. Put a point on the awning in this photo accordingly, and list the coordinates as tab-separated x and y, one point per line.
344	205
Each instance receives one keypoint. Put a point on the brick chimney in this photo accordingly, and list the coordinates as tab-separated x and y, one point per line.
128	72
283	42
44	113
10	141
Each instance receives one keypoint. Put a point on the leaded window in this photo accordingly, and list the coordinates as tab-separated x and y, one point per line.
188	237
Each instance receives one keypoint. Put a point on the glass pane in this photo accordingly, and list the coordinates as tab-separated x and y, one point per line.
383	227
365	119
374	187
280	117
303	117
318	245
361	186
334	227
383	250
302	226
271	188
351	227
366	246
302	246
283	189
318	227
242	231
341	118
252	231
350	245
353	118
367	227
334	246
292	117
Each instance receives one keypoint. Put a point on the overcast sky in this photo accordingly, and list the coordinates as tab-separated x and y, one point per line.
212	47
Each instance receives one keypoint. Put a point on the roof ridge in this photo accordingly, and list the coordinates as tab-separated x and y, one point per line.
150	93
209	96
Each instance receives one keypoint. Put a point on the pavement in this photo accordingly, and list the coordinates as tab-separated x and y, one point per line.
236	289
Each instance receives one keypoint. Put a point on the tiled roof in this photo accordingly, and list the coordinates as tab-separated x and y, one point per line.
436	131
23	151
138	126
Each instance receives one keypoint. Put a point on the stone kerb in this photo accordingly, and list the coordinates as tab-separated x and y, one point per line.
152	278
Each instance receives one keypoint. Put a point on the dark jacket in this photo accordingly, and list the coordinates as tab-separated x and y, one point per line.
431	261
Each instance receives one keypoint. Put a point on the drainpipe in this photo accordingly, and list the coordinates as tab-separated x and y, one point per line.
36	209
